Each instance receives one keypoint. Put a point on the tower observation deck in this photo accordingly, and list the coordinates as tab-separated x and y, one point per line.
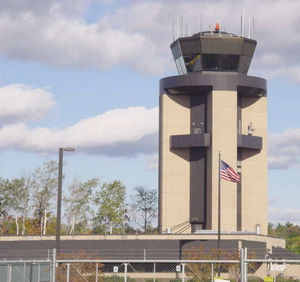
213	51
212	106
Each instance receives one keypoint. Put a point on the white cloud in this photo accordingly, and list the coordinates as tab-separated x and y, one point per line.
285	71
282	162
71	7
19	102
119	132
152	162
271	59
284	149
282	216
138	33
60	40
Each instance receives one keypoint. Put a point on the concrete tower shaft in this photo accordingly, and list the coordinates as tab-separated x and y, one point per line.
202	112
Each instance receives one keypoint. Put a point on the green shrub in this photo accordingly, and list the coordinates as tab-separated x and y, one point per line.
281	279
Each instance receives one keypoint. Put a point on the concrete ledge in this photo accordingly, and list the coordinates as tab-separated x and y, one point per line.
190	140
213	236
197	82
249	142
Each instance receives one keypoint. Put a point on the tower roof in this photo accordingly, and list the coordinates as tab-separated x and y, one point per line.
213	51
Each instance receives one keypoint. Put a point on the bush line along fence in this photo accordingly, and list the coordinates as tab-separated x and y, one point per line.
75	266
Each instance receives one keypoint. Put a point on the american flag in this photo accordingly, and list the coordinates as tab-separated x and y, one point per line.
228	173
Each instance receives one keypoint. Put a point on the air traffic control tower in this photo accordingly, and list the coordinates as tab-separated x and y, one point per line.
212	106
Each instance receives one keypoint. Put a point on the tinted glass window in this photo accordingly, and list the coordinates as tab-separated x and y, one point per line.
193	63
180	65
215	62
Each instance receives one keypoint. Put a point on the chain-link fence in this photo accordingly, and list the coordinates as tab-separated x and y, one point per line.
194	265
25	271
273	270
145	271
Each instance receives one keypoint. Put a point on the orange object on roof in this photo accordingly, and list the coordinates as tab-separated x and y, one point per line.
217	27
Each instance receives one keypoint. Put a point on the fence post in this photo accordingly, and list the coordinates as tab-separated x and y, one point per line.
68	272
246	265
54	265
24	272
125	271
242	264
154	271
97	268
39	272
212	272
9	273
183	272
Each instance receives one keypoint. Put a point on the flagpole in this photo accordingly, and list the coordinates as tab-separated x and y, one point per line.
219	210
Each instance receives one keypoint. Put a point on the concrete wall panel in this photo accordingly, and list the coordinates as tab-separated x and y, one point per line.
174	169
223	126
254	167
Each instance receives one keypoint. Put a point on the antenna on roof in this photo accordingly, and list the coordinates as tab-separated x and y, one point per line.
249	27
242	23
177	26
173	28
253	27
181	25
201	20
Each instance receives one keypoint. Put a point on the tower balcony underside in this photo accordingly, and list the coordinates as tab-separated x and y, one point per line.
204	140
190	140
194	83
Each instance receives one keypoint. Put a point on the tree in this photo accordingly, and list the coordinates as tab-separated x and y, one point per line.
144	206
110	205
79	203
45	188
5	199
19	191
16	199
270	229
289	232
28	183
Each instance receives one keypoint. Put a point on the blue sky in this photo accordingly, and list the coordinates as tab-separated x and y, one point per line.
86	74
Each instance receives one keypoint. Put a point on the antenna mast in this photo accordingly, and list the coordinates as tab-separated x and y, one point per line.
181	25
242	23
249	27
201	20
177	26
173	31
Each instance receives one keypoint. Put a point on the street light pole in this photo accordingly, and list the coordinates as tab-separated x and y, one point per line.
59	194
